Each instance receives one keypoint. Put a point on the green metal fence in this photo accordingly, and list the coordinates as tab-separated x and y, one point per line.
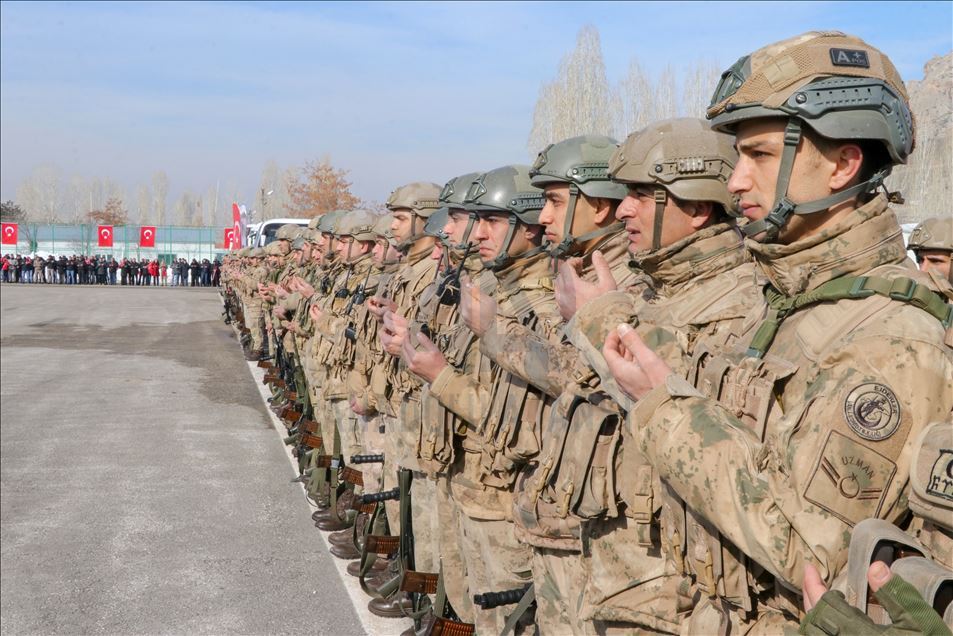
171	241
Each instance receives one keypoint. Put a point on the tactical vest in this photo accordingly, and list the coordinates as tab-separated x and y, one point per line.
511	429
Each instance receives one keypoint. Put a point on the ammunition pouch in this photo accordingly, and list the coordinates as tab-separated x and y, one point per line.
575	479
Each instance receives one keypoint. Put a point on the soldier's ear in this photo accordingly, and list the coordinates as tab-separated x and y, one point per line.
533	233
702	213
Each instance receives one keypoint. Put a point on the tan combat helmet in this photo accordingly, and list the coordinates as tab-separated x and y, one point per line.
358	224
420	197
835	84
382	231
932	234
286	232
678	157
277	248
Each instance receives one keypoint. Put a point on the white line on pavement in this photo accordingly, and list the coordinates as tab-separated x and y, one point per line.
373	625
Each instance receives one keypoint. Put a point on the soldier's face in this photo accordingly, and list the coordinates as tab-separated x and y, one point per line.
556	208
637	211
380	249
402	224
815	174
489	232
553	215
934	261
456	225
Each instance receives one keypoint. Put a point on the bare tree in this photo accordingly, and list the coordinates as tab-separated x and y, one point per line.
97	199
160	188
185	209
578	101
143	204
698	84
76	203
39	194
645	99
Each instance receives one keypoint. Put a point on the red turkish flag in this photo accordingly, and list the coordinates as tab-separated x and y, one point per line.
229	241
10	232
237	226
105	236
147	236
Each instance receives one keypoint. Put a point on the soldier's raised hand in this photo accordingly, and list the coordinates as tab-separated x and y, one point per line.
572	292
315	312
477	309
634	366
422	357
378	305
393	333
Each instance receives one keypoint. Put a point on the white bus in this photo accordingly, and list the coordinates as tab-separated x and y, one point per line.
261	234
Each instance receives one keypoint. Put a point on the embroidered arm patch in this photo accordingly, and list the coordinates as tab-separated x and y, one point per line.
849	480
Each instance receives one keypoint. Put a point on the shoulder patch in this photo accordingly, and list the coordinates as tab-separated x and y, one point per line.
849	480
872	410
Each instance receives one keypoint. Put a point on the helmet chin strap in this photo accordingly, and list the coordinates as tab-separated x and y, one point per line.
771	225
570	243
504	258
661	198
404	246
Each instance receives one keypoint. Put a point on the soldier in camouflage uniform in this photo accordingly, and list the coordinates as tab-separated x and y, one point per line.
368	355
507	412
449	356
798	426
683	238
579	221
932	242
397	390
355	241
252	303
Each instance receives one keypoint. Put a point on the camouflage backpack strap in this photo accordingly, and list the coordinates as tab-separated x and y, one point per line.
901	289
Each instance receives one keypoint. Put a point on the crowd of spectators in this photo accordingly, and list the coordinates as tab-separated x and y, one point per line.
102	270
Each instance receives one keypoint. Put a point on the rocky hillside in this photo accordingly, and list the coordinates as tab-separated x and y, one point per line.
927	181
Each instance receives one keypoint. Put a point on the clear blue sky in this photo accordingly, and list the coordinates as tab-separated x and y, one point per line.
391	91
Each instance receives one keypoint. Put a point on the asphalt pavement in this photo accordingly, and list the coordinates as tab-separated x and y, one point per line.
143	489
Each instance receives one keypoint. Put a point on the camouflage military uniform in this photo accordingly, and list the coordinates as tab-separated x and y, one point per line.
805	441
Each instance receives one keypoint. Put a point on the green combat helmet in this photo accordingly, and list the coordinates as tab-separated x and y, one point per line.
678	157
452	197
422	199
435	226
837	85
583	163
507	190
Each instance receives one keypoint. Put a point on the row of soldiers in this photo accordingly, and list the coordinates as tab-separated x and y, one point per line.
672	385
